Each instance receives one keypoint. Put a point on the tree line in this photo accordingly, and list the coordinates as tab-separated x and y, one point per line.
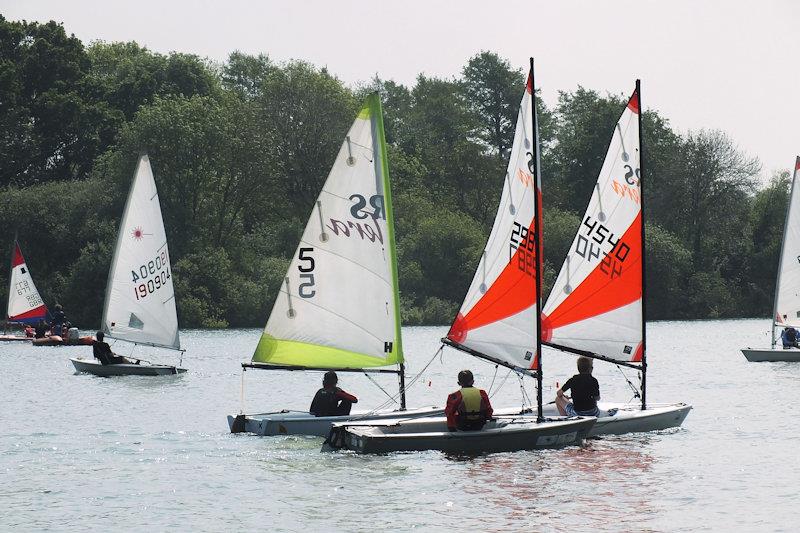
240	150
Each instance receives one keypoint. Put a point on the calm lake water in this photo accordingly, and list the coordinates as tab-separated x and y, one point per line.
81	452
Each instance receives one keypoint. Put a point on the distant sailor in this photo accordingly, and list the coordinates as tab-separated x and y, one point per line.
330	400
468	409
102	352
41	329
59	319
585	392
789	338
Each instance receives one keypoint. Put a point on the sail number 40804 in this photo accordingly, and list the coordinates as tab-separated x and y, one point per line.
151	276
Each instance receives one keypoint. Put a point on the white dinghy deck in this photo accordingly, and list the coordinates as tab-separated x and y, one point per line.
775	356
619	418
90	366
288	422
499	435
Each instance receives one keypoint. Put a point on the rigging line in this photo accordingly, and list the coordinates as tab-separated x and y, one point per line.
379	386
408	386
500	387
493	377
631	385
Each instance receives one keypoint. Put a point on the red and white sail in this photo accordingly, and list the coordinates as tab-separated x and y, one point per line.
595	304
787	289
499	313
24	303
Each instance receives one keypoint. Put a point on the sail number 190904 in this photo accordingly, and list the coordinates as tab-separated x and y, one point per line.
151	276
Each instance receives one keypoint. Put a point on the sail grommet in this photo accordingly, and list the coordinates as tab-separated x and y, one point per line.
567	289
351	161
512	209
601	216
323	237
483	288
291	313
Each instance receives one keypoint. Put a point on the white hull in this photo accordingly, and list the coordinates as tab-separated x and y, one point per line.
759	356
94	367
619	419
302	423
499	435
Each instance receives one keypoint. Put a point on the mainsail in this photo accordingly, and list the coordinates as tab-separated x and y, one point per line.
338	306
787	295
595	304
499	315
24	303
140	299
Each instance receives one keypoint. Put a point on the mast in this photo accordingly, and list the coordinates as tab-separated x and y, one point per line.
538	245
780	259
387	200
644	270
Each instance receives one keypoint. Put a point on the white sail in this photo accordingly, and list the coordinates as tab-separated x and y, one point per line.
498	315
140	299
787	290
24	303
595	304
339	304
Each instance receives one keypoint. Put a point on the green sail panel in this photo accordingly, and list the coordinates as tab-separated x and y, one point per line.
338	306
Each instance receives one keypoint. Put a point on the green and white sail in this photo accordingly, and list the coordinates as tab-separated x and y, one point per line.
338	306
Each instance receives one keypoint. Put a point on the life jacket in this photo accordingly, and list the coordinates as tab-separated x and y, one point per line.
471	409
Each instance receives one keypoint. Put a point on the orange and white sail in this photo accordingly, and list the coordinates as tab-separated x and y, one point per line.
24	303
499	313
595	304
787	295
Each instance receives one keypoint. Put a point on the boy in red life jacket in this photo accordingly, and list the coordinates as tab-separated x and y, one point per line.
467	409
330	400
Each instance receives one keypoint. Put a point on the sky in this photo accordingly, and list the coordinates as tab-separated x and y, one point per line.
729	65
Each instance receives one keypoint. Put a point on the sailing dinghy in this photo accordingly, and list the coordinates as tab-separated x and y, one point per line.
596	305
140	299
25	306
786	309
339	306
498	321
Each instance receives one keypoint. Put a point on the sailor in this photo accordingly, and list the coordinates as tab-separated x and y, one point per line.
789	338
468	409
41	329
330	400
585	392
59	318
102	352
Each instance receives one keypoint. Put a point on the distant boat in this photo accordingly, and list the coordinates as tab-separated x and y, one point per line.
25	306
140	298
339	305
786	311
499	321
596	305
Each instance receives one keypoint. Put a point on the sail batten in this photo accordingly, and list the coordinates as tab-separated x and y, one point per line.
140	296
595	305
339	305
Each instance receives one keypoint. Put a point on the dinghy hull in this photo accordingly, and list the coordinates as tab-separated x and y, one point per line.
13	338
619	419
501	435
761	356
300	423
97	369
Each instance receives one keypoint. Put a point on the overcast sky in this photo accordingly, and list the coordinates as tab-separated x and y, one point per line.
731	65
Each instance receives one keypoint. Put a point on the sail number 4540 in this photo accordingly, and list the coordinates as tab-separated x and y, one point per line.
151	276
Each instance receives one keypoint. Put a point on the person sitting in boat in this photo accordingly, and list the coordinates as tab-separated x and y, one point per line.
59	318
789	338
330	400
585	392
102	352
41	330
467	409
